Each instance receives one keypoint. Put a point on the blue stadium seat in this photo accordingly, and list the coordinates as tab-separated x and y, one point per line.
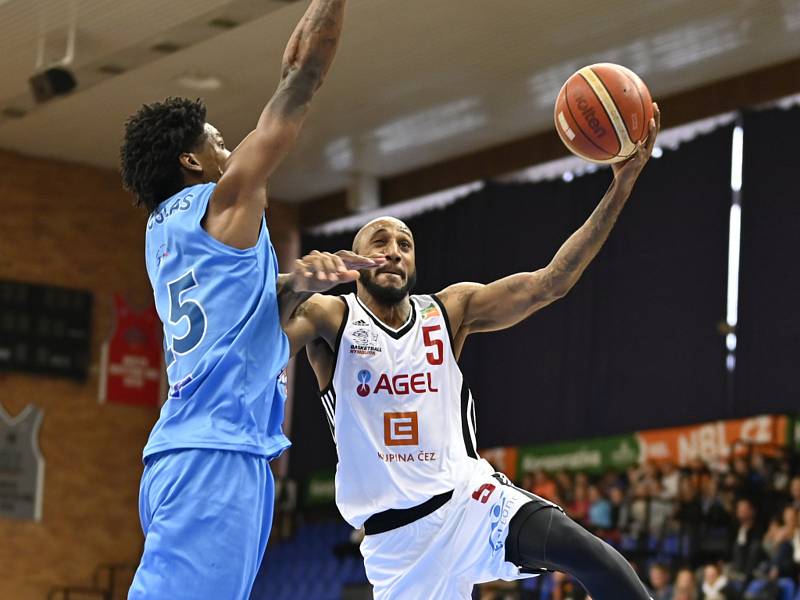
306	567
787	588
755	587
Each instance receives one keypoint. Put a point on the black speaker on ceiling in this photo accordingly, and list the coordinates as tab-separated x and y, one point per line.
52	82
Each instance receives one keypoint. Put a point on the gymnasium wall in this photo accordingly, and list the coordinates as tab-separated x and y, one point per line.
72	225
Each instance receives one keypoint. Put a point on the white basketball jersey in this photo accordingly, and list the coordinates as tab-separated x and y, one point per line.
400	412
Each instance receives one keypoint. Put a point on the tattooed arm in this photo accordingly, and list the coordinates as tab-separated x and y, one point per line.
318	272
237	206
474	307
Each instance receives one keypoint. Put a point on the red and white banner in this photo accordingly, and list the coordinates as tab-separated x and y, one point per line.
131	363
713	442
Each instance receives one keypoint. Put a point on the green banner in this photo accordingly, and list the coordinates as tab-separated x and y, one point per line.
596	455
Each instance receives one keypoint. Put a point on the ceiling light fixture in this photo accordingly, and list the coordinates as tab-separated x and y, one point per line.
199	82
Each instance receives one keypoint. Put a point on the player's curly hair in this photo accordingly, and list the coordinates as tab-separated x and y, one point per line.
155	137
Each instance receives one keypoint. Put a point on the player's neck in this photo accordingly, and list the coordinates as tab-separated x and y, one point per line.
394	315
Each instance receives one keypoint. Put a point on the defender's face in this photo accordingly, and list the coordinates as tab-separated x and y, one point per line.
394	242
213	155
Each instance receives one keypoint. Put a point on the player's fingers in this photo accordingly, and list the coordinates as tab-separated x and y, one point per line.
356	261
318	266
365	264
312	262
338	263
331	266
653	127
301	267
349	276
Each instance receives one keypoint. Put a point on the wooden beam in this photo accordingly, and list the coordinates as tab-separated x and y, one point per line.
739	92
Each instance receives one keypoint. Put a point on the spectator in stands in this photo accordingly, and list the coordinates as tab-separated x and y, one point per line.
545	487
599	517
749	481
670	479
794	492
633	513
780	472
564	487
660	588
616	497
696	470
685	586
527	482
566	588
747	551
712	509
578	509
713	532
759	474
716	585
780	544
660	510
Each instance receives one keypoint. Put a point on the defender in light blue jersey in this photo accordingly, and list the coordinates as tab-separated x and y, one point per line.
224	346
207	491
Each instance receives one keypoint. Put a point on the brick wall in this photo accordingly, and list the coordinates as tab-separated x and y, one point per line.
72	225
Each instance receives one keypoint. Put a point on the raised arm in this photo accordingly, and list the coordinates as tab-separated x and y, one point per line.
474	307
236	208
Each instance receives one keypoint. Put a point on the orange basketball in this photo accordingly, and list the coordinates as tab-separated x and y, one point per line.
602	112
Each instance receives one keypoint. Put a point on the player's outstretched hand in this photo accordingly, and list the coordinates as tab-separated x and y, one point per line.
627	172
320	271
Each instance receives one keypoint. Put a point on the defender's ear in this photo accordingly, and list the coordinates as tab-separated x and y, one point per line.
189	162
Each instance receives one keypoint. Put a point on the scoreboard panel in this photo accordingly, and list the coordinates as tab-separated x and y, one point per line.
45	329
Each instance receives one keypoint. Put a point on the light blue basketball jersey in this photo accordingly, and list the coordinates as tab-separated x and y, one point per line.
224	346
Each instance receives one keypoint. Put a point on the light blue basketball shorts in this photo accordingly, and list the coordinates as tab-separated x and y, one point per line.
206	516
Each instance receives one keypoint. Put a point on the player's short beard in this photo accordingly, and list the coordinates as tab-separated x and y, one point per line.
388	296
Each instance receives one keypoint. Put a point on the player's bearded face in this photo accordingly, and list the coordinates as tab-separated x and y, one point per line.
385	292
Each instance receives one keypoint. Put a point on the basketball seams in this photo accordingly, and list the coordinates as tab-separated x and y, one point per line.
616	106
622	132
577	122
641	100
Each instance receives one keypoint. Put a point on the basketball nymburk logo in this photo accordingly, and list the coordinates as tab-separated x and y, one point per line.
366	340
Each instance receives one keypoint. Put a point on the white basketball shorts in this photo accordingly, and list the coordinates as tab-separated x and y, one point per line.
442	555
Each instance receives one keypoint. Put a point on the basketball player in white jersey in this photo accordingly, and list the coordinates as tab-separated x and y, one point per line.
437	518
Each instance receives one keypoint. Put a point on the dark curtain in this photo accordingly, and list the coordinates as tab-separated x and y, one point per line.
634	345
769	327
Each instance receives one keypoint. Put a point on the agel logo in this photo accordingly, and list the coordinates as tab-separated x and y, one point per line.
363	383
401	384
